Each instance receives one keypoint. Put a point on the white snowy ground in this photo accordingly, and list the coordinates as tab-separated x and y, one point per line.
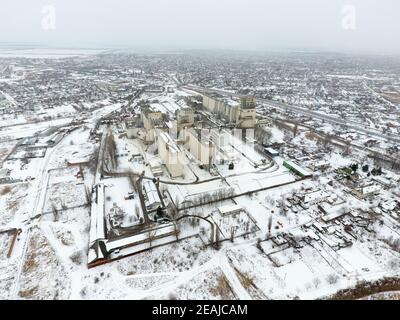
28	130
55	267
5	148
49	261
115	192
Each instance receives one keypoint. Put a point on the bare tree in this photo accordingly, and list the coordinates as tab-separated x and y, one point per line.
177	202
63	205
137	211
217	239
173	211
269	225
282	205
151	236
93	161
177	231
232	234
132	180
110	151
327	140
88	196
193	222
259	246
295	130
55	211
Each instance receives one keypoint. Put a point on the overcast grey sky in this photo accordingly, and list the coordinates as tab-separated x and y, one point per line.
206	24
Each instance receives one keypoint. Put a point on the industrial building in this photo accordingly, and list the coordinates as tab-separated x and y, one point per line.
297	169
230	209
150	194
151	119
171	154
367	191
184	118
97	224
271	152
133	128
241	113
199	144
155	165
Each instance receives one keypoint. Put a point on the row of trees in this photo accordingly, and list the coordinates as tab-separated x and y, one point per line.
206	198
109	155
365	168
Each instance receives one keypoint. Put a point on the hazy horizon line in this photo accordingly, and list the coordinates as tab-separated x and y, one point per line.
159	49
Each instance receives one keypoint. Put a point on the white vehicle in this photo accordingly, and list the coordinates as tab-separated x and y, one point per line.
130	196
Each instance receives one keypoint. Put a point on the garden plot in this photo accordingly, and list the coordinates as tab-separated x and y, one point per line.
68	241
68	174
176	257
43	277
7	280
8	271
323	270
63	235
24	168
249	285
5	149
375	252
276	282
68	238
75	218
5	241
265	205
72	229
65	195
146	282
307	286
97	284
23	153
193	226
234	224
317	274
15	202
208	285
381	254
359	260
283	257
